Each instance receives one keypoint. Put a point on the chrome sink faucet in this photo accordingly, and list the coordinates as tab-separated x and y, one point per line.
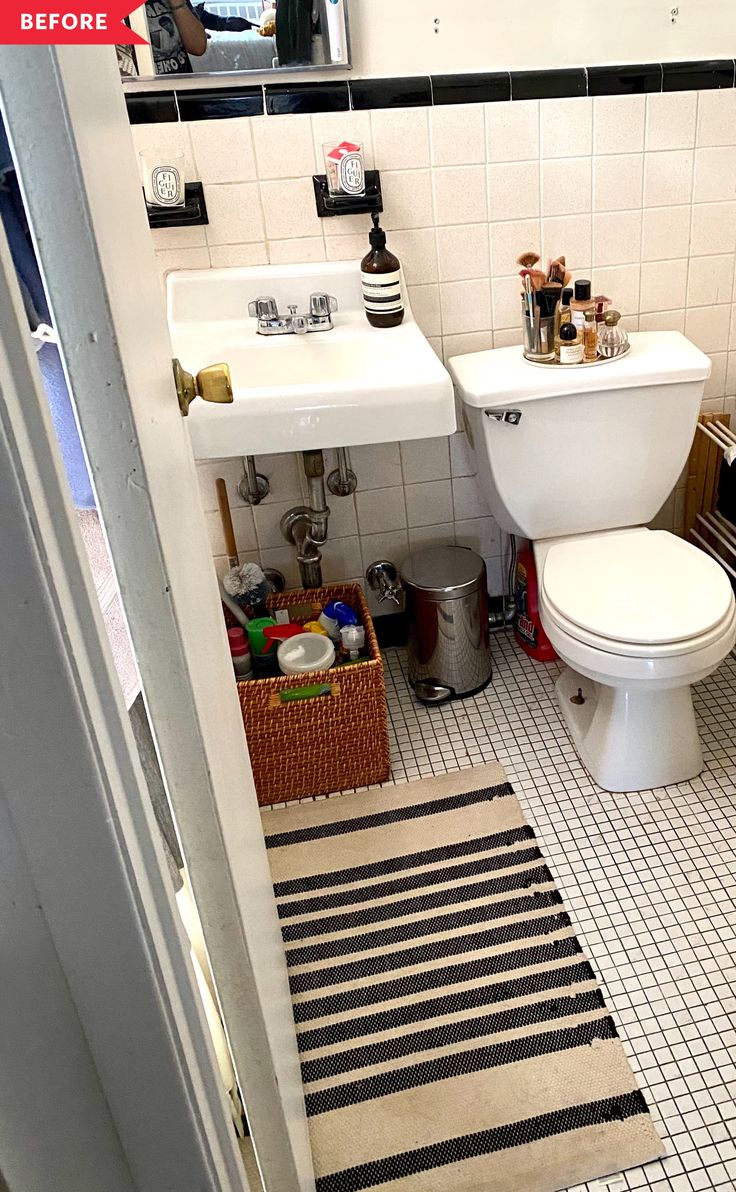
270	322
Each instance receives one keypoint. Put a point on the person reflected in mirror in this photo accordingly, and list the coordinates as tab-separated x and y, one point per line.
176	32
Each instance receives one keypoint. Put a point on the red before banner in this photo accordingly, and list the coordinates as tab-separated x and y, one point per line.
67	22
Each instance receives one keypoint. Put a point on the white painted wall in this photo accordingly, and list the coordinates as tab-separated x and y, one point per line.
390	38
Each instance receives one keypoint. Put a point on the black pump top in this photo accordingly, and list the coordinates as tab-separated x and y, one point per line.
377	236
582	290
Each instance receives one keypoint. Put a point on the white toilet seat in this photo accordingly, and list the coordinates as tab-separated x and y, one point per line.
640	593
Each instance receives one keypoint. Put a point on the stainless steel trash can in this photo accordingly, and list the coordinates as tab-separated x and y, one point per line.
447	605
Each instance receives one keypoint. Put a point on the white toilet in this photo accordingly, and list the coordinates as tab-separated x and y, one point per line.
579	460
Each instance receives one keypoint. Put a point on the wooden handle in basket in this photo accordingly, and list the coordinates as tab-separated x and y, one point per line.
231	549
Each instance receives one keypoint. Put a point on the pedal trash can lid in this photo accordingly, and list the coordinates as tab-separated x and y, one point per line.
444	572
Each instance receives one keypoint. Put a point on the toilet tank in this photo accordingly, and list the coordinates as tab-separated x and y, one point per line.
570	450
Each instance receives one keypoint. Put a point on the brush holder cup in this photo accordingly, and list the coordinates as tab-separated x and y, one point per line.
539	336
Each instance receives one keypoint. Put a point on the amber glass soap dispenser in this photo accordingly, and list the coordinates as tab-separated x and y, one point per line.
380	273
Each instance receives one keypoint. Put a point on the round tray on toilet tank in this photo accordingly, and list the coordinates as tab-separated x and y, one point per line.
582	364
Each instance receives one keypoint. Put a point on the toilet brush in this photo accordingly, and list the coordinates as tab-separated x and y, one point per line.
244	585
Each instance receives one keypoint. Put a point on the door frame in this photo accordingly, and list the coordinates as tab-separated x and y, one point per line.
108	1073
66	118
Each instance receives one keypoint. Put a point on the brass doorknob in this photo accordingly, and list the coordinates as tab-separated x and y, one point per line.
211	384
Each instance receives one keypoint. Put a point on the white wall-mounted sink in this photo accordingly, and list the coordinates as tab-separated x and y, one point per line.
353	385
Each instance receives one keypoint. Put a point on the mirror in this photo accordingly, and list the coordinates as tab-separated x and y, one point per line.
187	37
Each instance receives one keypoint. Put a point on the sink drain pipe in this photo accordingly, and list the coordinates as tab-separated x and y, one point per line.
306	525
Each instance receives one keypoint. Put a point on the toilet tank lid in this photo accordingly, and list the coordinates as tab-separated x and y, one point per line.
504	377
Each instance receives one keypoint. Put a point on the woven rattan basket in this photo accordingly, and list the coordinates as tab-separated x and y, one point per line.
332	742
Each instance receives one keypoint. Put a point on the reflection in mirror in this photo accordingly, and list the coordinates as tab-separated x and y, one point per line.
223	36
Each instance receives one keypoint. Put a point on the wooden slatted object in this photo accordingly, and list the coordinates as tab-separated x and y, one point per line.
702	473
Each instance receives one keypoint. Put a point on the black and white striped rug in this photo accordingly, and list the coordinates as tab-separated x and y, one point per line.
451	1032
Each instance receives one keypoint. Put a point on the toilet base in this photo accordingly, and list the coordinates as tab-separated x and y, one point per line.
631	739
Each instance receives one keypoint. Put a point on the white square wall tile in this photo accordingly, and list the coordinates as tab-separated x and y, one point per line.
566	186
462	460
380	509
237	256
570	235
671	120
708	327
458	134
509	240
668	178
283	146
341	559
513	190
715	175
716	117
377	465
461	345
506	293
460	195
178	238
663	285
480	534
507	337
416	248
170	260
616	237
303	251
468	500
425	459
465	306
566	127
425	536
512	130
425	304
665	233
713	228
289	208
227	156
662	320
618	123
710	280
407	199
621	284
463	252
234	213
617	182
393	545
400	138
429	504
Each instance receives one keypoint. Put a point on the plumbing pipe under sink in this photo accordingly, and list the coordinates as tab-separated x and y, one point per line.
306	525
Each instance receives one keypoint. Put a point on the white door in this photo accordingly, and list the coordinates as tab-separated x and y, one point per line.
66	118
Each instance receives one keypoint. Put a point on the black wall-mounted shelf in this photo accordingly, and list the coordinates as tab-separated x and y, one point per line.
365	204
193	212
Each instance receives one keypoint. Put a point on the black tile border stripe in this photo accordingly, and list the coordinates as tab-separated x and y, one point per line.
456	945
394	815
433	900
451	974
484	1142
408	882
462	1063
146	107
397	1047
447	1003
401	933
361	873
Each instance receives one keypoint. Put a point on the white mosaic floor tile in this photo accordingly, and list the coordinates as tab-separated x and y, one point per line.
649	879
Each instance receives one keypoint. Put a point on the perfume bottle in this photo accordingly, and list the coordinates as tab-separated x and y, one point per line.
590	337
612	337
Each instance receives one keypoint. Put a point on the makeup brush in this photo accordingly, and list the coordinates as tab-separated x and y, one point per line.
528	292
556	270
527	260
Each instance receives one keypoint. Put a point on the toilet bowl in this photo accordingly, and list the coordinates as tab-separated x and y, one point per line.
579	461
638	616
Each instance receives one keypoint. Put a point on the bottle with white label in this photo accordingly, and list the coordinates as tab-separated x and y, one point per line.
380	273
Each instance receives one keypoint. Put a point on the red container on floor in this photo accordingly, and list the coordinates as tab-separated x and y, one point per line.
527	624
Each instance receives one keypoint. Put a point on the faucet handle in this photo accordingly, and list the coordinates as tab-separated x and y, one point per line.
264	307
321	305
